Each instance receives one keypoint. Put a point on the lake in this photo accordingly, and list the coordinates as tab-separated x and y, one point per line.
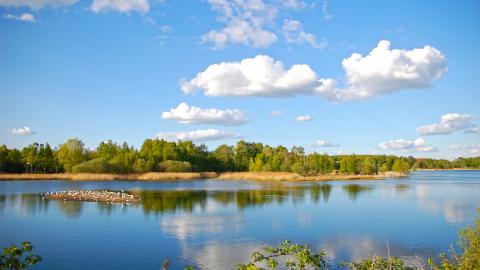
214	224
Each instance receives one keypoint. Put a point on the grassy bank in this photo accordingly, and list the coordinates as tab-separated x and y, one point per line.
154	176
286	176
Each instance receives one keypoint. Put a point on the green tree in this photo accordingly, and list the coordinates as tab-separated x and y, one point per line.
71	153
369	166
400	165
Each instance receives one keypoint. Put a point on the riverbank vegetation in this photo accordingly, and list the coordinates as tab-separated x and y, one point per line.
184	156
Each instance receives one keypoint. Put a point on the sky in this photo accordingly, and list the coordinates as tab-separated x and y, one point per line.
336	77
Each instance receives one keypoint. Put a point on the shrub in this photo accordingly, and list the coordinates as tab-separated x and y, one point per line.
468	255
174	166
98	165
14	257
297	258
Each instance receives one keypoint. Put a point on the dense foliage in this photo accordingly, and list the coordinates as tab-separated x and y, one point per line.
163	156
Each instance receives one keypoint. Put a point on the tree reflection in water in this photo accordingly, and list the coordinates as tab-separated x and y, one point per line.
171	201
174	200
354	190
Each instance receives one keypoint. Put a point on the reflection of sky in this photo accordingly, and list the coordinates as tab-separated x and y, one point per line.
224	221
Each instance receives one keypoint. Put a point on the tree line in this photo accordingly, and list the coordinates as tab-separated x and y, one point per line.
183	156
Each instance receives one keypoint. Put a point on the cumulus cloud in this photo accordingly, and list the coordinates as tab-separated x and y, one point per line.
450	123
419	145
276	113
303	118
187	114
122	6
37	4
381	72
25	131
196	135
258	76
26	17
294	33
322	143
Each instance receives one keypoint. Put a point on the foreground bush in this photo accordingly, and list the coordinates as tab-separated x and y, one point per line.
294	256
14	257
467	255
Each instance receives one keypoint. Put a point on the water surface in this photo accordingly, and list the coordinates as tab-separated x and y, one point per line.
214	224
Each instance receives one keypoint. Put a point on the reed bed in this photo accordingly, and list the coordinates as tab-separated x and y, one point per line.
287	176
158	176
161	176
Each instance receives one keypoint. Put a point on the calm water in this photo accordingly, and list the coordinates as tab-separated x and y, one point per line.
215	224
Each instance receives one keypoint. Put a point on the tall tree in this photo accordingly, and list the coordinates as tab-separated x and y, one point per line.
71	153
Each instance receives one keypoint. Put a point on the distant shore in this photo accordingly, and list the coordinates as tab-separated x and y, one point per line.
159	176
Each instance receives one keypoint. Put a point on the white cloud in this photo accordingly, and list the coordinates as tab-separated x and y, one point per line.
250	22
294	33
382	71
166	28
326	14
276	113
258	76
26	17
295	4
322	143
244	23
196	135
473	149
122	6
37	4
187	114
25	131
240	32
449	123
419	145
303	118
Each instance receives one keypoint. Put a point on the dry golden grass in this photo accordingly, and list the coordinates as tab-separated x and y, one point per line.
159	176
101	176
175	176
286	176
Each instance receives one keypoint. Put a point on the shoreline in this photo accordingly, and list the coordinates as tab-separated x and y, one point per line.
158	176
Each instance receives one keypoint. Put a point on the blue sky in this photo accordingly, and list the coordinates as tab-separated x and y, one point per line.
119	69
